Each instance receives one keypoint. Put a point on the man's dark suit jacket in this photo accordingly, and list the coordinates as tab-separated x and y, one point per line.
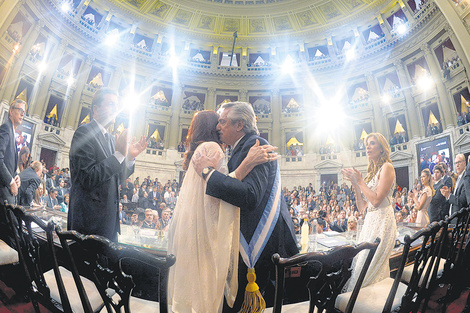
439	207
50	203
8	160
251	195
50	184
461	197
96	175
29	183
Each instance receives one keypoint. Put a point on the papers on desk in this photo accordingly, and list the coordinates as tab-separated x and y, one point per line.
331	242
331	233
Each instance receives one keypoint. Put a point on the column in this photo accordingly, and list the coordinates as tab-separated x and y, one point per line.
457	26
176	102
458	47
38	99
243	95
406	11
9	10
385	28
416	129
210	99
445	104
374	101
75	104
139	115
14	72
276	117
116	78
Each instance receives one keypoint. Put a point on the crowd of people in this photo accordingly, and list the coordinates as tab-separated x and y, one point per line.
433	129
295	150
193	105
397	138
155	143
463	118
149	204
333	207
447	65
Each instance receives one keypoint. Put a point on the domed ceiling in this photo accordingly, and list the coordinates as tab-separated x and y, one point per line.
254	20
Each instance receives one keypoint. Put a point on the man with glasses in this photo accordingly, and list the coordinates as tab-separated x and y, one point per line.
9	181
458	199
99	163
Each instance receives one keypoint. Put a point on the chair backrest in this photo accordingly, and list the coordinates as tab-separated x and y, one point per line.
423	264
454	255
99	259
329	271
29	253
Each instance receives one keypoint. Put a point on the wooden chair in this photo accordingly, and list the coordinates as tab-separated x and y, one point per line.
454	267
100	260
10	269
30	257
438	261
419	276
329	272
8	255
55	288
391	294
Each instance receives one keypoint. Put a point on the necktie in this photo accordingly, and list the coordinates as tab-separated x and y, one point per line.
107	136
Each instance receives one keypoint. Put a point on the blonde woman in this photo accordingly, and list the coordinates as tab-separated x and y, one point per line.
423	198
374	199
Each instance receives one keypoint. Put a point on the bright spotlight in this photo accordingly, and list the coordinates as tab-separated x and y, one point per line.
288	65
65	7
386	99
174	61
425	82
112	38
42	66
329	117
402	29
130	102
70	81
350	55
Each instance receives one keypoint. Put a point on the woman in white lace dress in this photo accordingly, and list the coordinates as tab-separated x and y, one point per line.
204	232
374	198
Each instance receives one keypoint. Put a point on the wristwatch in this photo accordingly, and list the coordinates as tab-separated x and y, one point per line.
206	171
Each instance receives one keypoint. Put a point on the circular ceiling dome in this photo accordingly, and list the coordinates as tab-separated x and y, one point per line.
254	20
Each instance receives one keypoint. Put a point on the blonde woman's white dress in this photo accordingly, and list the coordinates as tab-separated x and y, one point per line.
204	236
378	222
422	218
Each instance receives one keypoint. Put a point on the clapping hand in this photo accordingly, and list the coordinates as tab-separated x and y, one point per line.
445	191
121	142
351	174
136	147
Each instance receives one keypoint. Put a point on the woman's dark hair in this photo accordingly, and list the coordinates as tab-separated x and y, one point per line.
202	129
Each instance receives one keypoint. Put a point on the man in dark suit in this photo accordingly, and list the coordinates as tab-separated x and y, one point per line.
237	128
9	181
51	200
439	207
99	163
61	190
458	199
50	182
30	180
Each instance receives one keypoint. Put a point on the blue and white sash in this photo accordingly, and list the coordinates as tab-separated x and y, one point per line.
252	251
